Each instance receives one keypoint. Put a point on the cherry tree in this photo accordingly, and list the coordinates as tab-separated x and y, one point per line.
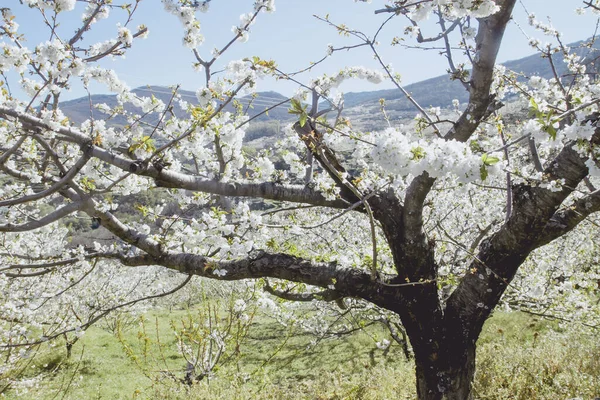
429	221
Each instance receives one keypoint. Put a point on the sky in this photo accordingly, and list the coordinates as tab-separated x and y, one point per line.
291	36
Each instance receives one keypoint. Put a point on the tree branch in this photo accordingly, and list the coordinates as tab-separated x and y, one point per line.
54	188
171	179
264	190
6	155
325	295
566	219
534	222
488	40
47	220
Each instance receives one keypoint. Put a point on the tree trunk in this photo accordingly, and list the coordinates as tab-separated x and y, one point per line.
445	376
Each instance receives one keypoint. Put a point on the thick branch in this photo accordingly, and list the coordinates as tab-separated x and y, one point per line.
488	40
566	219
46	220
346	282
264	190
54	188
166	178
325	295
534	222
489	37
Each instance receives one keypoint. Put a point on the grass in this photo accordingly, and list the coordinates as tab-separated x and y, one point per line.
548	364
519	357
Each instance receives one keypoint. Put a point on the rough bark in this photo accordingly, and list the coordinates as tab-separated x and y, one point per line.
444	344
448	375
531	225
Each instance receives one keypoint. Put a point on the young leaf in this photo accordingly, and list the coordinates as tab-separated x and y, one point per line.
483	173
303	118
489	160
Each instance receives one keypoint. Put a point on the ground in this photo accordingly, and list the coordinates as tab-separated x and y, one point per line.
519	357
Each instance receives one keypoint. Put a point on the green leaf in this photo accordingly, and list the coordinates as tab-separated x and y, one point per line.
489	160
551	131
296	107
475	146
533	105
303	118
483	173
88	183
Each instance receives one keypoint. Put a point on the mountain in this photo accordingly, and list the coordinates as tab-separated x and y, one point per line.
363	108
78	110
440	91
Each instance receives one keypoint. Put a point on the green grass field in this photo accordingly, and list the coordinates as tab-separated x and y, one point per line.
519	357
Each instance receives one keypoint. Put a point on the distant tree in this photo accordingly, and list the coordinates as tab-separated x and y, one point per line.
432	224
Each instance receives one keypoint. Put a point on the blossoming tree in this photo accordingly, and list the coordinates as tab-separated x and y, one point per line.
430	222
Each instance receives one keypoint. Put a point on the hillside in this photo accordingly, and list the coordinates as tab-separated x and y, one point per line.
78	110
363	108
440	91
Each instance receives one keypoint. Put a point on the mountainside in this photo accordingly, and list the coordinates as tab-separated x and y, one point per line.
78	110
440	91
363	107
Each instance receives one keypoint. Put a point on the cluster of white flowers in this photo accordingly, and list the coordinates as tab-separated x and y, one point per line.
125	36
187	16
546	97
325	83
246	216
239	306
205	96
214	229
148	104
103	47
297	167
574	63
102	13
54	59
246	20
402	154
577	131
547	29
327	186
266	5
592	166
240	70
453	9
469	33
14	57
242	30
56	5
263	167
107	77
412	31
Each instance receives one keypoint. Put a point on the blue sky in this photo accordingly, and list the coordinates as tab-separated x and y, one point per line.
291	36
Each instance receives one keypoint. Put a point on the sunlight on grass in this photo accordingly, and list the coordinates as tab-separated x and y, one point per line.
519	357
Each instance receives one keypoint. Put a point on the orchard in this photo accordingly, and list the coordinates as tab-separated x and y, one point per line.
436	223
